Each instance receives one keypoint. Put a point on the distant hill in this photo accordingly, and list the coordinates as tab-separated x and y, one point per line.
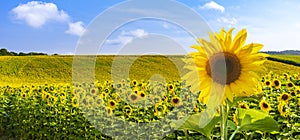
289	52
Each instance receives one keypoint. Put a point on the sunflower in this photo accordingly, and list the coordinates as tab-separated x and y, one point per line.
102	95
74	102
136	91
142	95
264	106
106	90
170	87
290	84
268	83
134	83
127	110
109	111
45	95
285	75
276	84
297	91
243	105
160	108
239	77
234	118
23	95
83	101
119	86
133	97
51	100
94	91
293	93
112	104
282	110
285	97
90	101
99	102
164	97
176	101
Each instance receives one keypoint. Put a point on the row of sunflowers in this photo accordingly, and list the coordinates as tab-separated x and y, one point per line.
94	110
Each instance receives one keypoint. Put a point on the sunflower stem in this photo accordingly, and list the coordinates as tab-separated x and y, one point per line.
224	115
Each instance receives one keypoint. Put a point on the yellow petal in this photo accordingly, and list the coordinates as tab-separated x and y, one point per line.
239	40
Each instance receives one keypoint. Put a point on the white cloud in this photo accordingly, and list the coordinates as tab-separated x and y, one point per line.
213	5
76	28
36	13
139	33
230	21
127	37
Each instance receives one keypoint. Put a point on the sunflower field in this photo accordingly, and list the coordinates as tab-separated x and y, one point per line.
61	111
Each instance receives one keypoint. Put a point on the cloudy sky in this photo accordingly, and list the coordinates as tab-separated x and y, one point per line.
55	26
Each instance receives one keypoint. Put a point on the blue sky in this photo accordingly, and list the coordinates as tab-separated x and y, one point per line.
55	26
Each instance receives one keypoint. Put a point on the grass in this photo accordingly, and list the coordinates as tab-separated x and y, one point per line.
17	70
295	58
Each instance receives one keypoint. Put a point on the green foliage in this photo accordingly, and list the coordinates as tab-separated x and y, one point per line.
250	119
5	52
193	123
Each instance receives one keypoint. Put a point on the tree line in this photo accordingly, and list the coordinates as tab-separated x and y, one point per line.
5	52
288	52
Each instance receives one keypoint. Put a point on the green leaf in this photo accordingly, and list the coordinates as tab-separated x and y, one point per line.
192	123
250	119
231	125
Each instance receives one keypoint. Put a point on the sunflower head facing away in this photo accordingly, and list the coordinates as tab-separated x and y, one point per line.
226	62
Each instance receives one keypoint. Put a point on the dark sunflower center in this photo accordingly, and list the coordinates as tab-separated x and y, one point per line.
224	66
142	95
133	97
265	105
290	85
284	97
293	93
276	83
243	106
119	85
268	83
112	103
175	101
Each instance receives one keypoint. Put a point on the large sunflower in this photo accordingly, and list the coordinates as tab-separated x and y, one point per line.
227	63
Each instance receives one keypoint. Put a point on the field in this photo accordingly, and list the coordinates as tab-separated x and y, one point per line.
292	58
39	101
17	70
